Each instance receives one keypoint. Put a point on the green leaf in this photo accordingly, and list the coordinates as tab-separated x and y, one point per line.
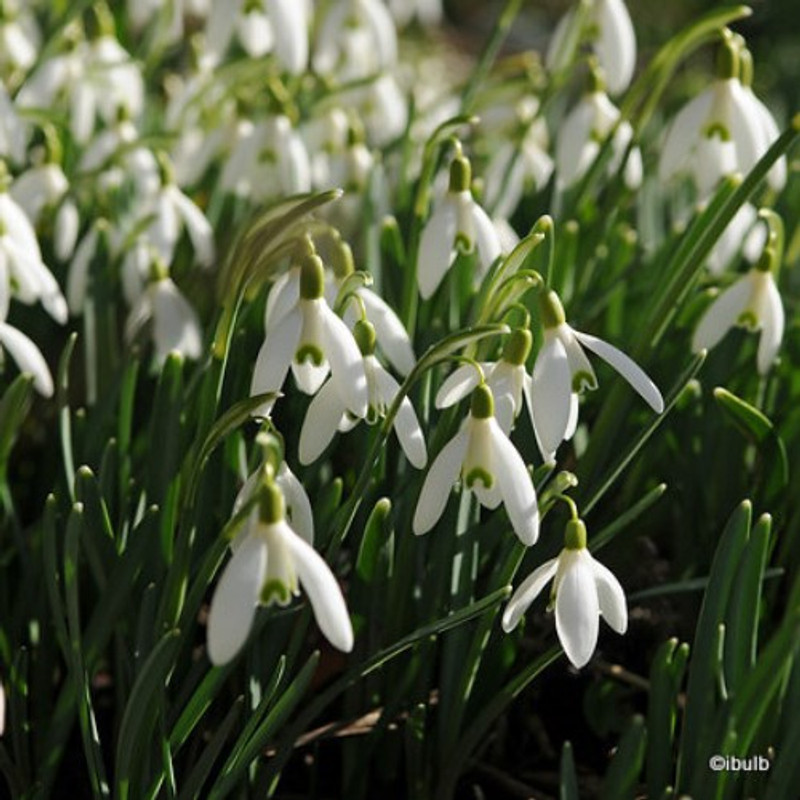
64	419
568	780
623	773
702	697
376	535
666	677
140	713
605	535
14	407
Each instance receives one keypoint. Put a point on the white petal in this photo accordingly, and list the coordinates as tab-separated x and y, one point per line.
722	315
175	323
439	482
577	610
730	243
389	331
572	425
198	227
436	251
406	424
275	356
297	503
516	486
291	35
616	44
550	394
626	367
683	134
562	45
486	239
777	175
323	592
78	277
573	137
527	592
28	358
457	386
324	414
610	597
233	605
282	298
347	364
772	318
66	230
310	376
383	31
745	127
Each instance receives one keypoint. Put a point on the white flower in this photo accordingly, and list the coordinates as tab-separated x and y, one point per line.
22	349
428	12
279	26
725	129
19	247
310	338
614	42
581	135
381	106
268	160
752	301
507	379
269	564
20	38
12	129
583	589
562	370
458	224
357	39
327	412
175	323
172	210
490	466
514	165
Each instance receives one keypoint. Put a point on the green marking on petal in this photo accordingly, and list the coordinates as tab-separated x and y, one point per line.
275	591
747	319
479	474
464	244
309	352
719	130
583	380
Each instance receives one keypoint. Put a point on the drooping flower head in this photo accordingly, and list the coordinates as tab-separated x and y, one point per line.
583	591
489	466
269	565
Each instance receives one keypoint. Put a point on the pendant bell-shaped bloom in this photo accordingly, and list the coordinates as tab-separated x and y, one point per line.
307	336
357	39
172	210
458	224
582	134
562	370
507	379
269	565
754	302
20	37
613	42
175	325
30	277
428	12
584	590
276	26
269	160
327	412
23	350
489	465
12	129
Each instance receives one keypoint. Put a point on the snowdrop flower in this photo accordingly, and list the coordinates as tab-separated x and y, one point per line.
723	130
269	564
489	465
562	370
613	40
357	38
507	379
515	166
458	224
583	591
752	301
97	77
25	353
12	129
268	160
20	38
327	412
175	325
308	337
582	134
172	210
428	12
32	280
279	26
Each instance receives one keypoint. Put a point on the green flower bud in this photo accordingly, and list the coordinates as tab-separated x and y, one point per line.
482	402
575	535
364	334
551	312
518	347
460	175
312	277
